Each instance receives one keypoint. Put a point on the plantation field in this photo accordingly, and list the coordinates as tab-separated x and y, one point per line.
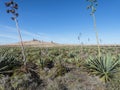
60	68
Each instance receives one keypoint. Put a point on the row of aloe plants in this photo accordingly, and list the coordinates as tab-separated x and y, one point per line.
106	67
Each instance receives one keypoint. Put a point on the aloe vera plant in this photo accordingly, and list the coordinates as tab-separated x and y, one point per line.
8	63
105	67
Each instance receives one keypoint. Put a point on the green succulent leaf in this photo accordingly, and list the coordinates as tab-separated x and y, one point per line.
105	67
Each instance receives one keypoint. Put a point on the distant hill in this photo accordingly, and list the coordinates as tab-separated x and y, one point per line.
35	43
38	43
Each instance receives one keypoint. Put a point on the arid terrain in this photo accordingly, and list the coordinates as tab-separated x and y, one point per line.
59	67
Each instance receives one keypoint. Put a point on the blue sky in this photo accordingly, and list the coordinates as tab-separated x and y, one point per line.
61	21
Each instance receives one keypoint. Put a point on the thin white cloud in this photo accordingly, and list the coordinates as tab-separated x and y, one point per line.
11	33
13	29
9	37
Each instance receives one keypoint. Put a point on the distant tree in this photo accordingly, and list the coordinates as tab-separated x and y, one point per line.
52	42
88	40
12	8
93	4
79	37
100	40
35	39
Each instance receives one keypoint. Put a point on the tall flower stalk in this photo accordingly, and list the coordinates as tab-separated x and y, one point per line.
92	6
21	41
12	8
